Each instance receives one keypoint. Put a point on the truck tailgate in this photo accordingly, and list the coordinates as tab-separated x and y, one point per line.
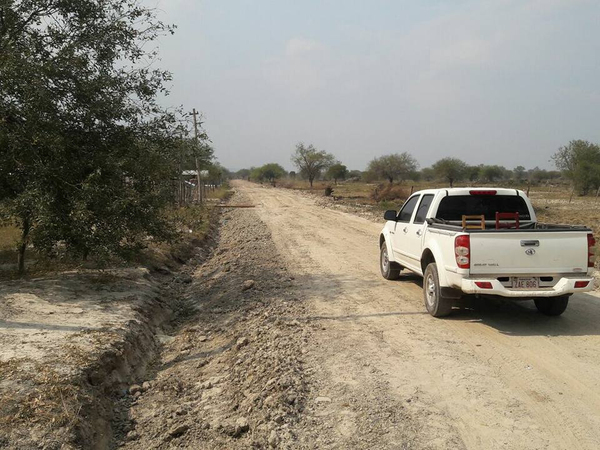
531	252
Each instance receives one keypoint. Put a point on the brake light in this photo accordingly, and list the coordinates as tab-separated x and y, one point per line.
487	192
581	284
591	245
462	251
483	284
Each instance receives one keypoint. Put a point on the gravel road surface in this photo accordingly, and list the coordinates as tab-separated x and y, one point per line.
494	375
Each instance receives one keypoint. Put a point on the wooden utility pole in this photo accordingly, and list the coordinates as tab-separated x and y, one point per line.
198	178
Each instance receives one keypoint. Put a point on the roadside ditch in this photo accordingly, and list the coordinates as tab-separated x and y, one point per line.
72	345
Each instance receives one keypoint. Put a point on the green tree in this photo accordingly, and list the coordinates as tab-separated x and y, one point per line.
398	166
269	172
311	162
337	172
472	173
427	174
451	169
272	172
216	174
491	173
86	153
354	175
242	174
519	172
580	162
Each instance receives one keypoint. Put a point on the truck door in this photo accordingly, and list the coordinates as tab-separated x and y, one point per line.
414	234
400	231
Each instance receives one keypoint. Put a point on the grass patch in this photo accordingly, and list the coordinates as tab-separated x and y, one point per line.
9	236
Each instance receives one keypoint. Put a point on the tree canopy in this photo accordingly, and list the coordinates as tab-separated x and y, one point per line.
269	172
86	153
451	169
396	167
580	162
491	173
311	162
336	172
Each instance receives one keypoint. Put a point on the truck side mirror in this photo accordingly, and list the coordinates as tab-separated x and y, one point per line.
390	214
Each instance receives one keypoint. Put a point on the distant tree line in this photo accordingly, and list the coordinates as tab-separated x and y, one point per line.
578	162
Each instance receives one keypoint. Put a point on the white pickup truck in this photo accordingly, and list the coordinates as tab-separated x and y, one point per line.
485	241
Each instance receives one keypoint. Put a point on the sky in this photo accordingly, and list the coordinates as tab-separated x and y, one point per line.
488	81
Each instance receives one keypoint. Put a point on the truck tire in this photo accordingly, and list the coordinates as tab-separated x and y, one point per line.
436	304
552	306
389	269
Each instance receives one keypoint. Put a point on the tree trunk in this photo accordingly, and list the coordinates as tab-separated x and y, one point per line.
572	192
23	245
391	180
451	182
310	180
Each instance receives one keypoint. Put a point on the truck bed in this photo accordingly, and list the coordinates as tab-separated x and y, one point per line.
526	227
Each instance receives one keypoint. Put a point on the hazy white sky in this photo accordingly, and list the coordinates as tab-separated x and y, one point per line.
489	81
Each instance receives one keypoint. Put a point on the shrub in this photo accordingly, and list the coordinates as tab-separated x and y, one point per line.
389	192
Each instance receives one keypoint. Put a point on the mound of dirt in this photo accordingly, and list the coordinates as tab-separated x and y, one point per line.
232	376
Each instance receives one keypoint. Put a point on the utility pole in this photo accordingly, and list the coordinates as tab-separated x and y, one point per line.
195	114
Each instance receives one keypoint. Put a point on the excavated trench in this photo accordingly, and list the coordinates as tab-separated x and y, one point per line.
106	385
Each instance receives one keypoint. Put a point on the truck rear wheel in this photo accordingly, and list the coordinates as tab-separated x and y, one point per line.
389	269
436	304
552	306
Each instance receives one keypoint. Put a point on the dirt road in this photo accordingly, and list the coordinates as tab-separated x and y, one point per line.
494	375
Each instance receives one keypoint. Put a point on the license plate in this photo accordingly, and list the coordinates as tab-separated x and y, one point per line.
525	283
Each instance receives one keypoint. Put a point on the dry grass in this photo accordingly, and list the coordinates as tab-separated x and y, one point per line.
9	236
51	399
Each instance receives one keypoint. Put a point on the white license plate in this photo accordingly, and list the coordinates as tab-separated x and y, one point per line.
525	283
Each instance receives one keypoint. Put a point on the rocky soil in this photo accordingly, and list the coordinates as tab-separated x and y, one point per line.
232	371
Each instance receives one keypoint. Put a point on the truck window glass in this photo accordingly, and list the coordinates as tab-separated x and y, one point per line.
423	208
455	206
407	210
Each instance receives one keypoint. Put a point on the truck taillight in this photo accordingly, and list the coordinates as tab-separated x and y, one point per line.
591	245
486	192
462	251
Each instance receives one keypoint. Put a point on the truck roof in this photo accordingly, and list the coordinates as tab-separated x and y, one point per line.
468	191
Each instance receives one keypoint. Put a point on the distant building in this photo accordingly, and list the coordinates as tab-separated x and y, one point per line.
190	175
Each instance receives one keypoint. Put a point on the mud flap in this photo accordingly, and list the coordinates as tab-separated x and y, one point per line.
452	293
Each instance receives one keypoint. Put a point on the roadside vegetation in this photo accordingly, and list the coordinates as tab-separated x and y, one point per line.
90	163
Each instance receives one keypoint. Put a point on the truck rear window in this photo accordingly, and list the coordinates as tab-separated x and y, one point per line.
455	206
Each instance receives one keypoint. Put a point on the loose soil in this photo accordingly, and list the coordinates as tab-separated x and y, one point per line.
249	367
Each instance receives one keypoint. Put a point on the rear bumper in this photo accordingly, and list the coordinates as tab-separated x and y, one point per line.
564	286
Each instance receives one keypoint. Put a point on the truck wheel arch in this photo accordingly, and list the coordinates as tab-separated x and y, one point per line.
432	255
426	259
